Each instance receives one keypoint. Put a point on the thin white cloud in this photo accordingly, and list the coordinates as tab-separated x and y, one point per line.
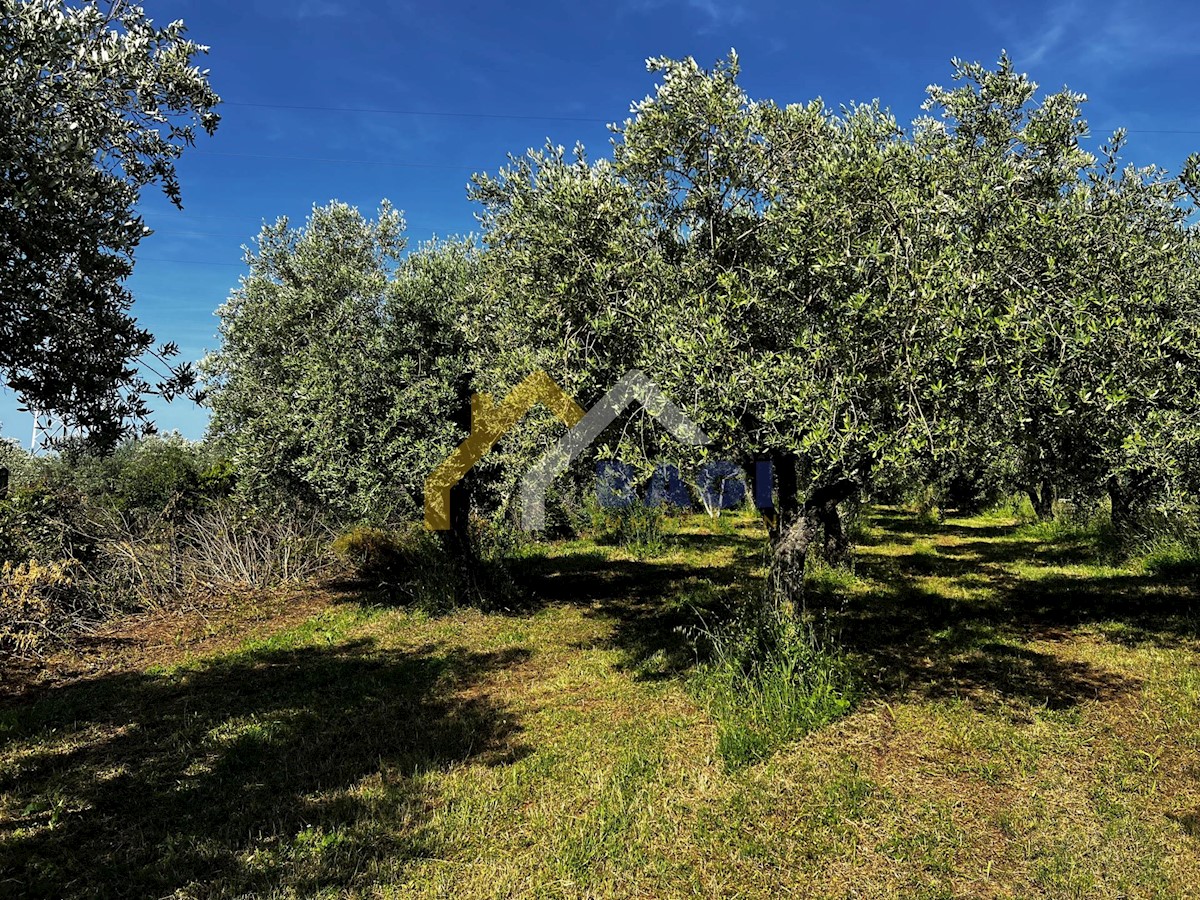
1059	19
1114	36
1133	35
719	12
714	12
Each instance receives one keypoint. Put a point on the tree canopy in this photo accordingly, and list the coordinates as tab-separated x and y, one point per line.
96	103
856	300
973	296
336	378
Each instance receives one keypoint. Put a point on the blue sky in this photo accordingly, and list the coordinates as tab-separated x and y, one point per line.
360	101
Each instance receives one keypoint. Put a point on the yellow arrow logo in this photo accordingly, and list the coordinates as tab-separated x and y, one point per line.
489	422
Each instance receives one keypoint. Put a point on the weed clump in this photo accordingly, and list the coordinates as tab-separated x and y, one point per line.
773	677
637	526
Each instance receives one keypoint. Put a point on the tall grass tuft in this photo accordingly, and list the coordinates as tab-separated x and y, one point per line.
639	527
772	677
1172	549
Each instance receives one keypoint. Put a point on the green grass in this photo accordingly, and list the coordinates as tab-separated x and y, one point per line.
772	678
1026	723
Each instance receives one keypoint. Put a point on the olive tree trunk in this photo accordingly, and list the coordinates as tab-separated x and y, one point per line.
816	522
1042	498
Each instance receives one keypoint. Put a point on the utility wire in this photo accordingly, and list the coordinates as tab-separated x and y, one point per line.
417	112
189	262
170	231
557	118
323	159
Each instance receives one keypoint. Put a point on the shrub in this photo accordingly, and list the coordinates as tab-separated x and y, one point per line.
567	512
134	566
408	564
41	522
15	460
373	553
38	602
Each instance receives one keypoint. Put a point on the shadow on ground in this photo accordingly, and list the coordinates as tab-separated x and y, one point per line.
953	621
650	603
142	785
945	620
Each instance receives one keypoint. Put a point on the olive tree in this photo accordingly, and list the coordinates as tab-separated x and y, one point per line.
744	256
568	274
794	232
1076	297
856	301
96	103
337	379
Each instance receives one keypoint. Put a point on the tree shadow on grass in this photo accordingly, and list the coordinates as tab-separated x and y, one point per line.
954	640
901	522
947	621
255	771
650	603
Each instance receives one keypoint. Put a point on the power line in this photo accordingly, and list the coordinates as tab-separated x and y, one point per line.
321	159
249	236
1095	134
170	210
552	118
189	262
418	112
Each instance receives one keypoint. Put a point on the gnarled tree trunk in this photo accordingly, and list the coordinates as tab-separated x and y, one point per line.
817	519
1127	501
1042	498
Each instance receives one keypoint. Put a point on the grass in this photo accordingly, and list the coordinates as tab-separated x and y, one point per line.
1027	724
772	678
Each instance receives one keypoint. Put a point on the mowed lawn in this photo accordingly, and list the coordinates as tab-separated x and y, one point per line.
1028	726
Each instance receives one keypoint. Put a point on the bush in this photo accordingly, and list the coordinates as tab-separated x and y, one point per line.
39	602
375	554
771	678
143	479
567	512
409	564
15	460
146	524
41	522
